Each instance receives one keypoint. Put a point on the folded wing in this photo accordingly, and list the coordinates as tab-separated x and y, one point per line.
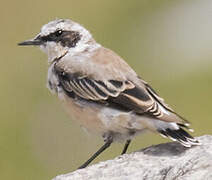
123	95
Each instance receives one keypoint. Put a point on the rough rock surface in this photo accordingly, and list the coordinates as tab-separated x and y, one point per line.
170	161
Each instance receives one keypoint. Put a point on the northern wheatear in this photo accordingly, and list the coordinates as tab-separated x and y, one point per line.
101	91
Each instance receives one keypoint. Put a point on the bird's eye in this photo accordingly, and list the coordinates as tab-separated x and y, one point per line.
58	33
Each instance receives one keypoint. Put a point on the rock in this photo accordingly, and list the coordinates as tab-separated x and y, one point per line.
169	161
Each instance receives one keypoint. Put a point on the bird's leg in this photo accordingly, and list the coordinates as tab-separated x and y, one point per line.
107	144
126	146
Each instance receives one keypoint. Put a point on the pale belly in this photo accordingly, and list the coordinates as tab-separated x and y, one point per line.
101	120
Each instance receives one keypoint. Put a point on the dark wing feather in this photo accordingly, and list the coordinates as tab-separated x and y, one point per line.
135	99
113	92
87	88
166	106
120	94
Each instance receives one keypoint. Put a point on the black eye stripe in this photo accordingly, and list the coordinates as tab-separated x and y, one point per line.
52	36
66	38
58	33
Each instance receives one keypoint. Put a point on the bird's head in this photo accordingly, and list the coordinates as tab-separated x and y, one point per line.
60	37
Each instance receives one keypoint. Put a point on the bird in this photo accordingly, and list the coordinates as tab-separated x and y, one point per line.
101	91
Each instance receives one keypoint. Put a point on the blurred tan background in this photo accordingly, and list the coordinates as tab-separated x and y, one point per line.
169	44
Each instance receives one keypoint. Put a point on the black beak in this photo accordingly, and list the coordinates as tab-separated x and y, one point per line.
32	42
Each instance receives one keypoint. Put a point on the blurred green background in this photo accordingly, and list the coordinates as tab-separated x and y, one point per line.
169	44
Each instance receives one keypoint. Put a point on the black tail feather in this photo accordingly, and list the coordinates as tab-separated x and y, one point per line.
179	135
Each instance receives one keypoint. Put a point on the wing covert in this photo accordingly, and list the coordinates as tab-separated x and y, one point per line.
89	88
123	95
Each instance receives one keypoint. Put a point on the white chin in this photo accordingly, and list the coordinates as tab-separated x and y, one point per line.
43	48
